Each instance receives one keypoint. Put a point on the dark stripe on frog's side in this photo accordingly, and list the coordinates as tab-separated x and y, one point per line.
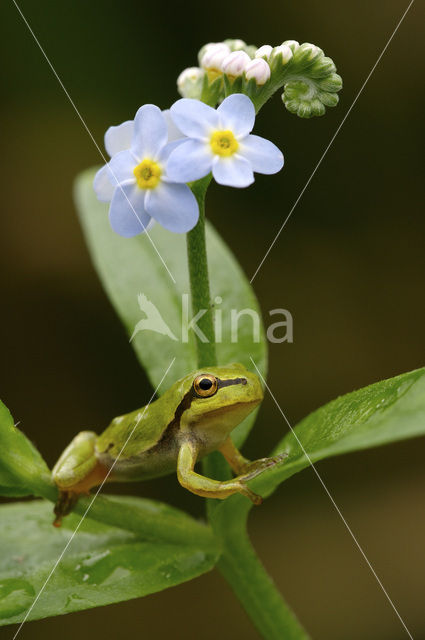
183	406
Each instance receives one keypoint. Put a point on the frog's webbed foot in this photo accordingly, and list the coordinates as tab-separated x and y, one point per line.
258	466
242	466
64	505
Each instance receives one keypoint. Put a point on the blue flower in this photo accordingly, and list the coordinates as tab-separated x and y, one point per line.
136	181
220	141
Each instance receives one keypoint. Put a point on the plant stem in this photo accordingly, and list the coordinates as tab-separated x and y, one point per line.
199	280
148	520
238	563
214	465
258	594
244	571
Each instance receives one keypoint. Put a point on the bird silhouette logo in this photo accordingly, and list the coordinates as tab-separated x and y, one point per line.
153	321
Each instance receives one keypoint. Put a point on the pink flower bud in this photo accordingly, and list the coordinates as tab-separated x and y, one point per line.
214	56
259	70
235	63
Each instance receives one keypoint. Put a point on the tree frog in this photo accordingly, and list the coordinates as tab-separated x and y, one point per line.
191	419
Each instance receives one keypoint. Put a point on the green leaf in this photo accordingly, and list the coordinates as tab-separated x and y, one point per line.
381	413
103	564
128	267
22	469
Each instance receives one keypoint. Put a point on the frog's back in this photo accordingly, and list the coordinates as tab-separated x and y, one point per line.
132	434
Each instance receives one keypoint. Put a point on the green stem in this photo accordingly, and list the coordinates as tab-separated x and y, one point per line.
199	280
238	563
245	573
148	520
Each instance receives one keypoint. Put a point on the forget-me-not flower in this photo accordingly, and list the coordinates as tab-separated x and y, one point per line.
135	180
118	138
220	140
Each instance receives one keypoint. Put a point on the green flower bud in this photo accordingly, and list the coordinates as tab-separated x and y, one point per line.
322	67
306	52
328	99
190	81
292	44
250	49
332	83
281	55
235	45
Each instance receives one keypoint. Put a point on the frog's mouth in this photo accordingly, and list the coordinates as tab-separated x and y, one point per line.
239	410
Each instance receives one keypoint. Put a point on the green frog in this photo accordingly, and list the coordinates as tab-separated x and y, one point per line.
190	420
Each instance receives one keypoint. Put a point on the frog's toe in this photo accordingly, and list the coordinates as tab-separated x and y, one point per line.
64	505
281	457
256	467
254	497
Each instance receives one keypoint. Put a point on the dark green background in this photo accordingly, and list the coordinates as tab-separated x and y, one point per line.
349	266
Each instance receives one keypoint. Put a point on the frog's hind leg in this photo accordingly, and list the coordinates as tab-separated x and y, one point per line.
64	505
76	472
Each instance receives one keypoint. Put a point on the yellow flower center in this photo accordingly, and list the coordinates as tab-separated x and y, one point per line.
148	174
224	143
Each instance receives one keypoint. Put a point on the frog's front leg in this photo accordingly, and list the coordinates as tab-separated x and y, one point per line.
206	487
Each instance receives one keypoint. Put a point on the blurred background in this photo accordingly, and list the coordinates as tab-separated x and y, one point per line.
349	265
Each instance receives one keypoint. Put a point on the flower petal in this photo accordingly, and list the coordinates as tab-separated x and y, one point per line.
121	167
262	154
119	138
237	113
150	132
174	132
190	161
168	149
174	206
127	213
194	118
233	171
102	185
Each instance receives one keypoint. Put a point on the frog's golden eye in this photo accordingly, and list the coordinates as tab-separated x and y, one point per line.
205	385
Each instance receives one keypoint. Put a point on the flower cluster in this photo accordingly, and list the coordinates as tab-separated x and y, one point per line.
232	66
218	58
156	155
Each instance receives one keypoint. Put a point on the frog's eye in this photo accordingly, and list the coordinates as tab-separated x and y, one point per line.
205	385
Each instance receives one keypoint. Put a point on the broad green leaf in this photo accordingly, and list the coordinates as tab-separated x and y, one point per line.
102	565
22	469
381	413
129	267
